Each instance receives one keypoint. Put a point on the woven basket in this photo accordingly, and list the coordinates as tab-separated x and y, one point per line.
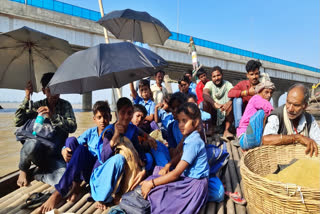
267	196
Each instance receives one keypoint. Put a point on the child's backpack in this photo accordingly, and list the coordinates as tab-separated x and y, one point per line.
217	157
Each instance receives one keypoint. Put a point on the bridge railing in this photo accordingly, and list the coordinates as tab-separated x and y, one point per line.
73	10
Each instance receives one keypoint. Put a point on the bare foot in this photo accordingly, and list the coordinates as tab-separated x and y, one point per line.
75	192
100	205
22	179
50	204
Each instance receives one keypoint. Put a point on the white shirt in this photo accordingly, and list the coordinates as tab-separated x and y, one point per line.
157	93
272	127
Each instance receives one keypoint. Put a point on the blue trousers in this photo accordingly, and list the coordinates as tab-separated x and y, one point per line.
252	137
104	178
237	110
79	167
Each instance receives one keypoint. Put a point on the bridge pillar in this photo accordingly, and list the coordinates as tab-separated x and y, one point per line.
275	97
87	101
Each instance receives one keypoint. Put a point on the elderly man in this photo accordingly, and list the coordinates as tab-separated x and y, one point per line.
291	124
59	116
158	91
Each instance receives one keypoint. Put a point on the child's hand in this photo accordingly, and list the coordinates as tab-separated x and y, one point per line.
159	105
66	154
146	186
118	129
164	170
137	180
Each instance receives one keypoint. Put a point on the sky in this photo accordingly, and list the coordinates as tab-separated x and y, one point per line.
286	29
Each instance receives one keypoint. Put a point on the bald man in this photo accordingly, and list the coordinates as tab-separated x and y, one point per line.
290	123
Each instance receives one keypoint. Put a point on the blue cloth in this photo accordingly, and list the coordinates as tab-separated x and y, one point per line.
217	157
79	167
161	156
252	137
174	134
237	110
150	105
91	138
104	178
194	152
165	117
192	87
215	190
205	115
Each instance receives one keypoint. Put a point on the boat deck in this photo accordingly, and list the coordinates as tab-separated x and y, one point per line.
10	203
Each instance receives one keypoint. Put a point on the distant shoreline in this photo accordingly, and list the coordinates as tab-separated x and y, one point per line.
12	106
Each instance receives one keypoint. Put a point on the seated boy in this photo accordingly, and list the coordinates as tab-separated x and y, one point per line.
145	99
81	155
202	76
184	83
158	153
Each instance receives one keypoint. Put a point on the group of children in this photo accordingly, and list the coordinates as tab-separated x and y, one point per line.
102	155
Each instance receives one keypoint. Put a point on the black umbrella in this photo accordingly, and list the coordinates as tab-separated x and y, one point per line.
26	54
104	66
136	26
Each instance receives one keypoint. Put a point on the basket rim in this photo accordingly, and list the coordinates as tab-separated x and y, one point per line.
245	169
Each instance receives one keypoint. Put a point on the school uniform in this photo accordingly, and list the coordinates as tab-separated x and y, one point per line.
84	156
191	189
106	174
174	134
149	105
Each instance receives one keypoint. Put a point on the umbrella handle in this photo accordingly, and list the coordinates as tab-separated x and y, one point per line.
30	103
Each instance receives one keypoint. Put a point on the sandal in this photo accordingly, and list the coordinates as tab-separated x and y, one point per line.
35	200
236	198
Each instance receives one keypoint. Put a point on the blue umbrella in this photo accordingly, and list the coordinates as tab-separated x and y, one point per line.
136	26
104	66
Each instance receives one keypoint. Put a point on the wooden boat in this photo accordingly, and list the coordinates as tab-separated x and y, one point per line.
12	197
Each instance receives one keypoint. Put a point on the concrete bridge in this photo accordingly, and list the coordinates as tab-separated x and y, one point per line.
77	25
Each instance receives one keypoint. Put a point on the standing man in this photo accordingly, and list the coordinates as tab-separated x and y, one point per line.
60	116
157	89
216	101
244	90
290	123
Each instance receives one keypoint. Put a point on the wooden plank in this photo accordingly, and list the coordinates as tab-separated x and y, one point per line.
229	204
211	207
70	204
18	203
22	195
79	203
84	207
91	209
234	180
203	209
237	164
220	208
21	189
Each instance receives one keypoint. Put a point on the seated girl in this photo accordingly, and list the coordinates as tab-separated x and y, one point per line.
174	135
251	124
188	182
